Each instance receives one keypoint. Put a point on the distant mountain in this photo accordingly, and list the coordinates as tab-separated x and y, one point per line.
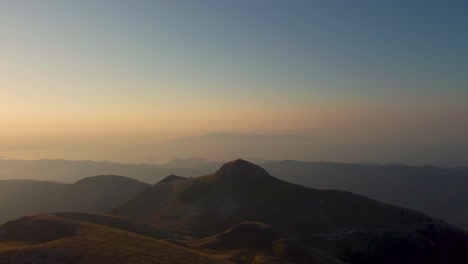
93	194
439	192
57	239
228	137
350	227
20	197
98	194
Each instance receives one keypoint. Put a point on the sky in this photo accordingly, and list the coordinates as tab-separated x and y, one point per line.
77	74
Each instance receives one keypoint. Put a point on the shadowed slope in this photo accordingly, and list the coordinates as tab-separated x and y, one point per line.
438	192
118	223
255	242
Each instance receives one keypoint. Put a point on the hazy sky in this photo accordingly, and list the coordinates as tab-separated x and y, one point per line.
352	72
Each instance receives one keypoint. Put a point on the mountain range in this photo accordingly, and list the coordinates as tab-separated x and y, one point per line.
69	171
436	191
238	214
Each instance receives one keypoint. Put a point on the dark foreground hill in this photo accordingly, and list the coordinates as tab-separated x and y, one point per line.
116	222
53	239
253	242
349	226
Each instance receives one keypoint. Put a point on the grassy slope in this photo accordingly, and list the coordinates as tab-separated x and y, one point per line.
72	241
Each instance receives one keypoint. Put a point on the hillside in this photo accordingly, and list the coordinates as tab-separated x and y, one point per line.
51	239
342	223
438	192
118	223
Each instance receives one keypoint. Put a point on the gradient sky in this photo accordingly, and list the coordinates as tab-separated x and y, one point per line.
348	72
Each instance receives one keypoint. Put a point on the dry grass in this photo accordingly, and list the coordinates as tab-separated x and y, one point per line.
94	244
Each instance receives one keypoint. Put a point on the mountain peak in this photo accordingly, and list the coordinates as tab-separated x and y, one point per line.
239	162
240	171
171	178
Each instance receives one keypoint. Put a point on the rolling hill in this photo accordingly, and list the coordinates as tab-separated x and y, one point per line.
95	238
53	239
